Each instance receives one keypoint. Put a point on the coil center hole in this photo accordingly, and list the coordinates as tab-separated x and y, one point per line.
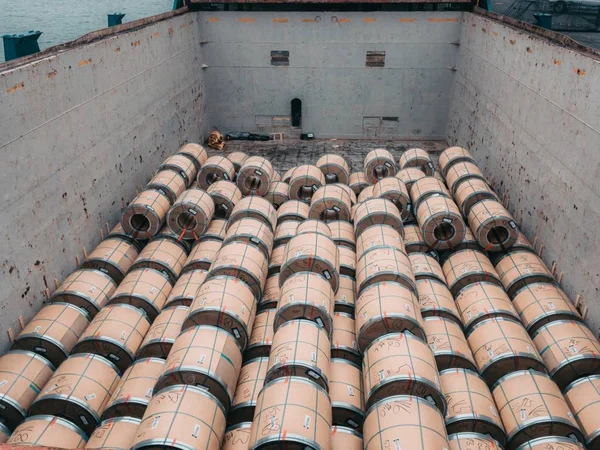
212	177
331	178
381	172
497	235
139	222
186	220
398	205
221	211
253	183
444	231
305	193
329	214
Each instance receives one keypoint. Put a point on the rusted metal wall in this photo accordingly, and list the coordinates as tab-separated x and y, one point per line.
80	130
530	112
327	69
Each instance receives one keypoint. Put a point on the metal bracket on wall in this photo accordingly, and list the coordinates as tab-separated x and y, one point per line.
539	251
506	200
581	306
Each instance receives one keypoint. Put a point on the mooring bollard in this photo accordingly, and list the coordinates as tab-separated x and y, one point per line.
115	19
18	45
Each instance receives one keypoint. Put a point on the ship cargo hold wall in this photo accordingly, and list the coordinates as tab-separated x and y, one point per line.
530	113
357	74
80	131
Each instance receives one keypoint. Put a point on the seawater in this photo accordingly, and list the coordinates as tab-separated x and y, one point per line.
64	20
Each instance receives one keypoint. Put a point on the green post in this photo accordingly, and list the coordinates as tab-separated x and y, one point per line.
544	20
18	45
177	4
115	19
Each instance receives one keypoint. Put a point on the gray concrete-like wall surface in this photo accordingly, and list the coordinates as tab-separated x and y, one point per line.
341	97
79	132
530	113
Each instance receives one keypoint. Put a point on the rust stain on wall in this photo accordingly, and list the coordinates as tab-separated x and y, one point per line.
85	62
557	62
16	87
280	20
344	21
51	75
247	20
213	19
369	20
309	21
441	20
512	42
156	34
171	31
579	72
135	43
406	20
117	50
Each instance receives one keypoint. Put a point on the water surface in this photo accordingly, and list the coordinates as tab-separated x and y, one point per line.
65	20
